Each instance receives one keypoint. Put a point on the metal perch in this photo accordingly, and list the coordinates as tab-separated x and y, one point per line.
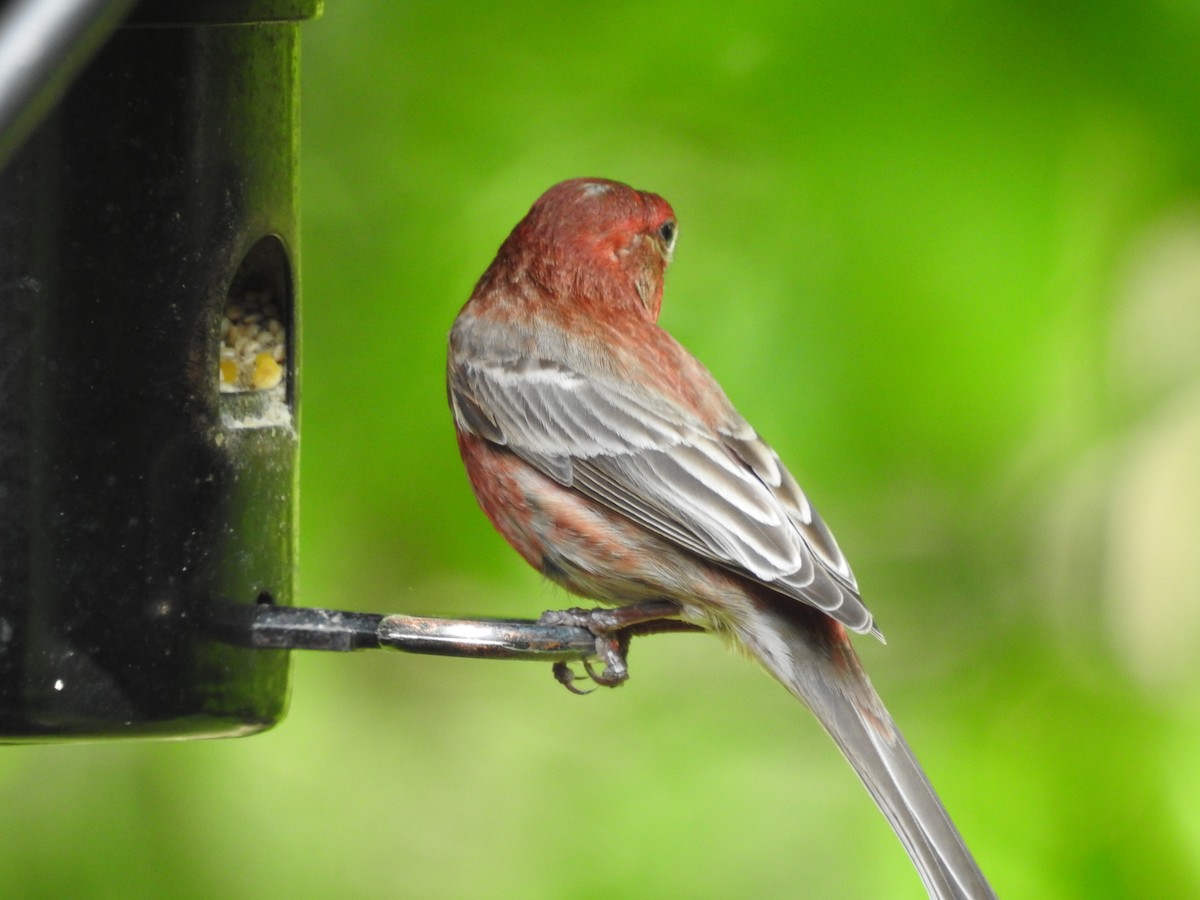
265	626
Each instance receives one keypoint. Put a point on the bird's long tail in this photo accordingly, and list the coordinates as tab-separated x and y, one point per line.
812	657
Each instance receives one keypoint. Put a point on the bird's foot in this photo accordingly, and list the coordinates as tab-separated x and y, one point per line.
613	628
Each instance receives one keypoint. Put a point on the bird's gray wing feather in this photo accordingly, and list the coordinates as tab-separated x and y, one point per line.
722	494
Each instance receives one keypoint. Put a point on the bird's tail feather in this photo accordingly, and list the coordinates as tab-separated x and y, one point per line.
814	660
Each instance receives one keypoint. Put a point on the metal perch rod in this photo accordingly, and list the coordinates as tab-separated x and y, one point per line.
302	628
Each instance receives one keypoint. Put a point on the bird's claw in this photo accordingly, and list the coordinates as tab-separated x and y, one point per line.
612	646
564	676
612	630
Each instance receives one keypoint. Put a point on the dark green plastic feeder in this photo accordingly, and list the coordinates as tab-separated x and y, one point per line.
136	498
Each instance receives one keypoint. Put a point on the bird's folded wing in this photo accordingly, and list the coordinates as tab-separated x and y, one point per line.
720	493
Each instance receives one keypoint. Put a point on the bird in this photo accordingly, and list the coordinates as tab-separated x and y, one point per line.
614	464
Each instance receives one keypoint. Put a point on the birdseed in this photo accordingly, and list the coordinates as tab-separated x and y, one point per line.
253	344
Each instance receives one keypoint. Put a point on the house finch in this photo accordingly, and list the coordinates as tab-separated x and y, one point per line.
615	465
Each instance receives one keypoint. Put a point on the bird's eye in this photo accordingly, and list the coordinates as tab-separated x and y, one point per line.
667	232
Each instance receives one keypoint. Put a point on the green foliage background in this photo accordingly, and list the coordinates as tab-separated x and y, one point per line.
944	255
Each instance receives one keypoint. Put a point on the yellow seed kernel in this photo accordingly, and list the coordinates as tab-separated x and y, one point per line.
267	372
229	371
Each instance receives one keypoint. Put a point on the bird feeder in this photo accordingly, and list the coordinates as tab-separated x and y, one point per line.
149	307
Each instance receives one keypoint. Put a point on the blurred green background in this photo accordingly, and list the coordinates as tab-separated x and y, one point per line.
944	255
